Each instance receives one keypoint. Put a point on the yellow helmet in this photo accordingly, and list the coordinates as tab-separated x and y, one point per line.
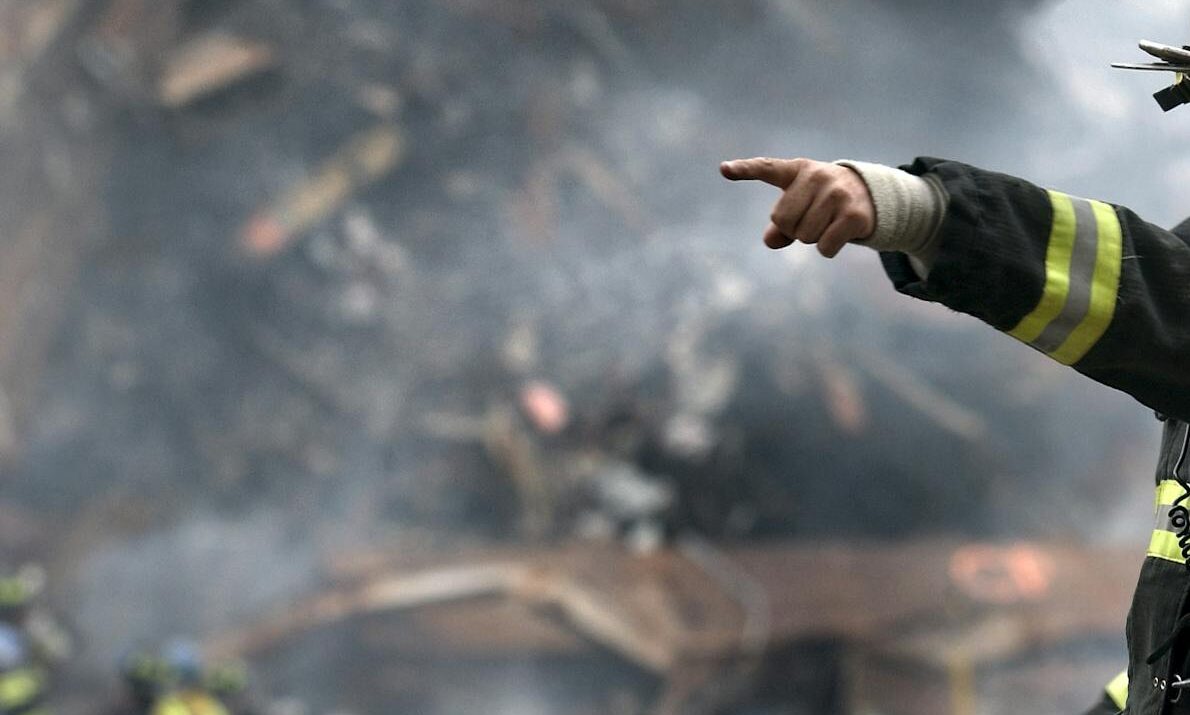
188	702
21	688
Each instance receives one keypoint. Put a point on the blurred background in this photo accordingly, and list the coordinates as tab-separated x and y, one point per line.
413	354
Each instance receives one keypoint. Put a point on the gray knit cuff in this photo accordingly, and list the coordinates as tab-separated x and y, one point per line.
909	210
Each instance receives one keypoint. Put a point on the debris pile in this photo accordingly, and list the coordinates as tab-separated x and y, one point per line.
461	273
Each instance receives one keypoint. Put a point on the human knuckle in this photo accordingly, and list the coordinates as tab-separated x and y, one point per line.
814	220
838	229
851	216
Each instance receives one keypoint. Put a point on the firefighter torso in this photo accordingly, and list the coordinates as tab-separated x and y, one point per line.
23	684
1095	287
1159	669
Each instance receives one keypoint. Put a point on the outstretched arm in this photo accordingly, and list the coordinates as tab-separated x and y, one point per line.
1089	284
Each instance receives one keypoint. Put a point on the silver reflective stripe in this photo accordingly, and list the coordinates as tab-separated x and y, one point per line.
1082	279
1162	522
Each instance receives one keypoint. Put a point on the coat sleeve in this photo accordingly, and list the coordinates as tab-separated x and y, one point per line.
1088	283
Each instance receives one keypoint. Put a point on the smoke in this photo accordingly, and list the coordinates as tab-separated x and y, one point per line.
1120	146
560	217
196	577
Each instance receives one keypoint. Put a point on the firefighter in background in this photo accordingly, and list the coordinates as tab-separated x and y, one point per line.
23	683
177	682
31	643
1089	284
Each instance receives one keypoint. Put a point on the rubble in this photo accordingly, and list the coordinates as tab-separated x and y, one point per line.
695	613
121	49
209	64
546	407
363	159
459	279
29	29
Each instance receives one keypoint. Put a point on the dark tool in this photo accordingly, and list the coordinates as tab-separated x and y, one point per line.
1173	59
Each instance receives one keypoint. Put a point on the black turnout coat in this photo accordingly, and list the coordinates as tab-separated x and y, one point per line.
1095	287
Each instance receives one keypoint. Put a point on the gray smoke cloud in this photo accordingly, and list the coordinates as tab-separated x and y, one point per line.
562	185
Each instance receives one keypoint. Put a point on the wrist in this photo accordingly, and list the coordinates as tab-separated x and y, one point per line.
909	210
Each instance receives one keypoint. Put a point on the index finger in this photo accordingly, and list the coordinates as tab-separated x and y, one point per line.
776	172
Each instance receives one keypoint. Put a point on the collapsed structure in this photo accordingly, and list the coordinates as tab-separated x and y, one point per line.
393	274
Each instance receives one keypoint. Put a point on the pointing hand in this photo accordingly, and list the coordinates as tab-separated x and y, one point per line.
821	203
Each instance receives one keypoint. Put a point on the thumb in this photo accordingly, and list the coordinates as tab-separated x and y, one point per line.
777	172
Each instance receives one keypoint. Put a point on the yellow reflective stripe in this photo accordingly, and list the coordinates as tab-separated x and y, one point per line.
1057	271
1164	545
1103	290
1117	690
1082	279
1167	492
171	705
201	703
20	687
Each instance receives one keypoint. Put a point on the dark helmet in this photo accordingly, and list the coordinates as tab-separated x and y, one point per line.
147	675
185	658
